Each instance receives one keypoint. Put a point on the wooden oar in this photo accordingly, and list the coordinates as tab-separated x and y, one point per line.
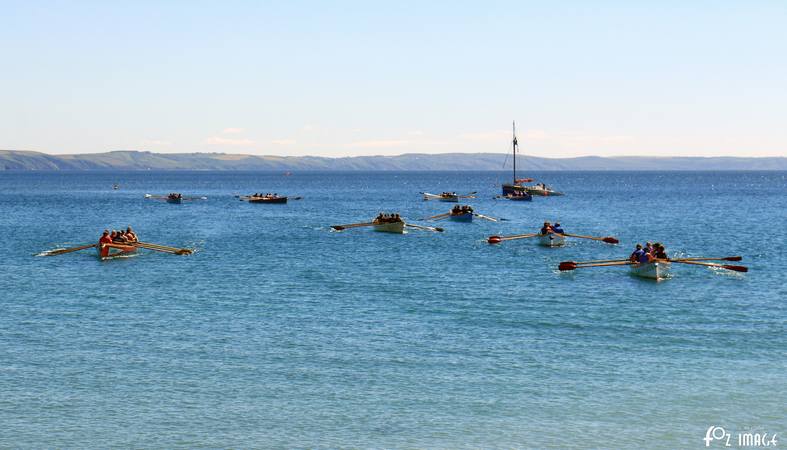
162	248
499	239
723	266
491	219
571	265
597	261
608	239
438	217
69	250
468	195
726	258
438	229
351	225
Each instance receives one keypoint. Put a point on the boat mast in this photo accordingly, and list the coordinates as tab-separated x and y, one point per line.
514	145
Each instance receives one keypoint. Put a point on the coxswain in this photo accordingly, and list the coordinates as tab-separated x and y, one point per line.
645	257
105	239
557	228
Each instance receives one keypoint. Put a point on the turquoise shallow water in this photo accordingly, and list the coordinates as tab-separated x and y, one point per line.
278	332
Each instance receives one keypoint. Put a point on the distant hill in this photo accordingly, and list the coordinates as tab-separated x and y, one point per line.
141	160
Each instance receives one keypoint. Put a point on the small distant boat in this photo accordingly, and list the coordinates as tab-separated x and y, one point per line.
541	190
109	251
551	240
447	196
657	270
389	225
519	196
116	186
175	198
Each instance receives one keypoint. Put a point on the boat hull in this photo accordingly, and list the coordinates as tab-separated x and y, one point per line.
108	251
551	240
462	217
389	227
271	200
653	270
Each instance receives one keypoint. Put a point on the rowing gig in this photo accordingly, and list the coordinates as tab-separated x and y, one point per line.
109	251
389	226
277	200
657	270
551	240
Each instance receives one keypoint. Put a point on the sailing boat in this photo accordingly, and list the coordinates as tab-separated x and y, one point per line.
516	189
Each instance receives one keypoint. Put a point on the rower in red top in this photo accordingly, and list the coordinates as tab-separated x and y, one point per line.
105	239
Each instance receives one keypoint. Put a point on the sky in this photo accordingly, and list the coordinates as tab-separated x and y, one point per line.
346	78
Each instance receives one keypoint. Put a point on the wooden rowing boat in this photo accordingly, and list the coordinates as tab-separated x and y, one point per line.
656	270
466	216
551	240
452	197
109	251
388	226
271	200
519	196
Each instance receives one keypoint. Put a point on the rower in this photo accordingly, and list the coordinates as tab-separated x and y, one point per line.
636	254
660	252
645	257
557	229
131	235
546	229
105	239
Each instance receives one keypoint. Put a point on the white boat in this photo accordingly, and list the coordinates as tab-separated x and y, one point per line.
657	270
541	190
551	240
389	227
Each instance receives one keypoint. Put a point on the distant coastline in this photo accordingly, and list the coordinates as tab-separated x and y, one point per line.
18	160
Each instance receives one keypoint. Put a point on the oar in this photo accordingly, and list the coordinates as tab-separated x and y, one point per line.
162	248
69	250
438	217
598	261
499	239
571	265
468	195
351	225
608	239
438	229
491	219
726	258
723	266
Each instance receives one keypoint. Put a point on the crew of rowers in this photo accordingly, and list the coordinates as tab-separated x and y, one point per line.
118	237
649	253
267	195
518	193
174	196
387	218
548	228
448	194
459	210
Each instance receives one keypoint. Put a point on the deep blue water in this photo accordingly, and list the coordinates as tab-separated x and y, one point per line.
279	332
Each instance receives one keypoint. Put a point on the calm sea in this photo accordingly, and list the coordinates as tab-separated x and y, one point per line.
279	332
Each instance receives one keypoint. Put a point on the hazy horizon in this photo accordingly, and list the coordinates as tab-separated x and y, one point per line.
359	79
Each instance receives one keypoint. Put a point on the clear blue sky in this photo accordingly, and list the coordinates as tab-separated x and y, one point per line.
365	77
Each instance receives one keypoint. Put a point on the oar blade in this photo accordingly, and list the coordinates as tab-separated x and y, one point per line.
733	258
736	268
438	229
567	265
494	240
337	227
610	240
